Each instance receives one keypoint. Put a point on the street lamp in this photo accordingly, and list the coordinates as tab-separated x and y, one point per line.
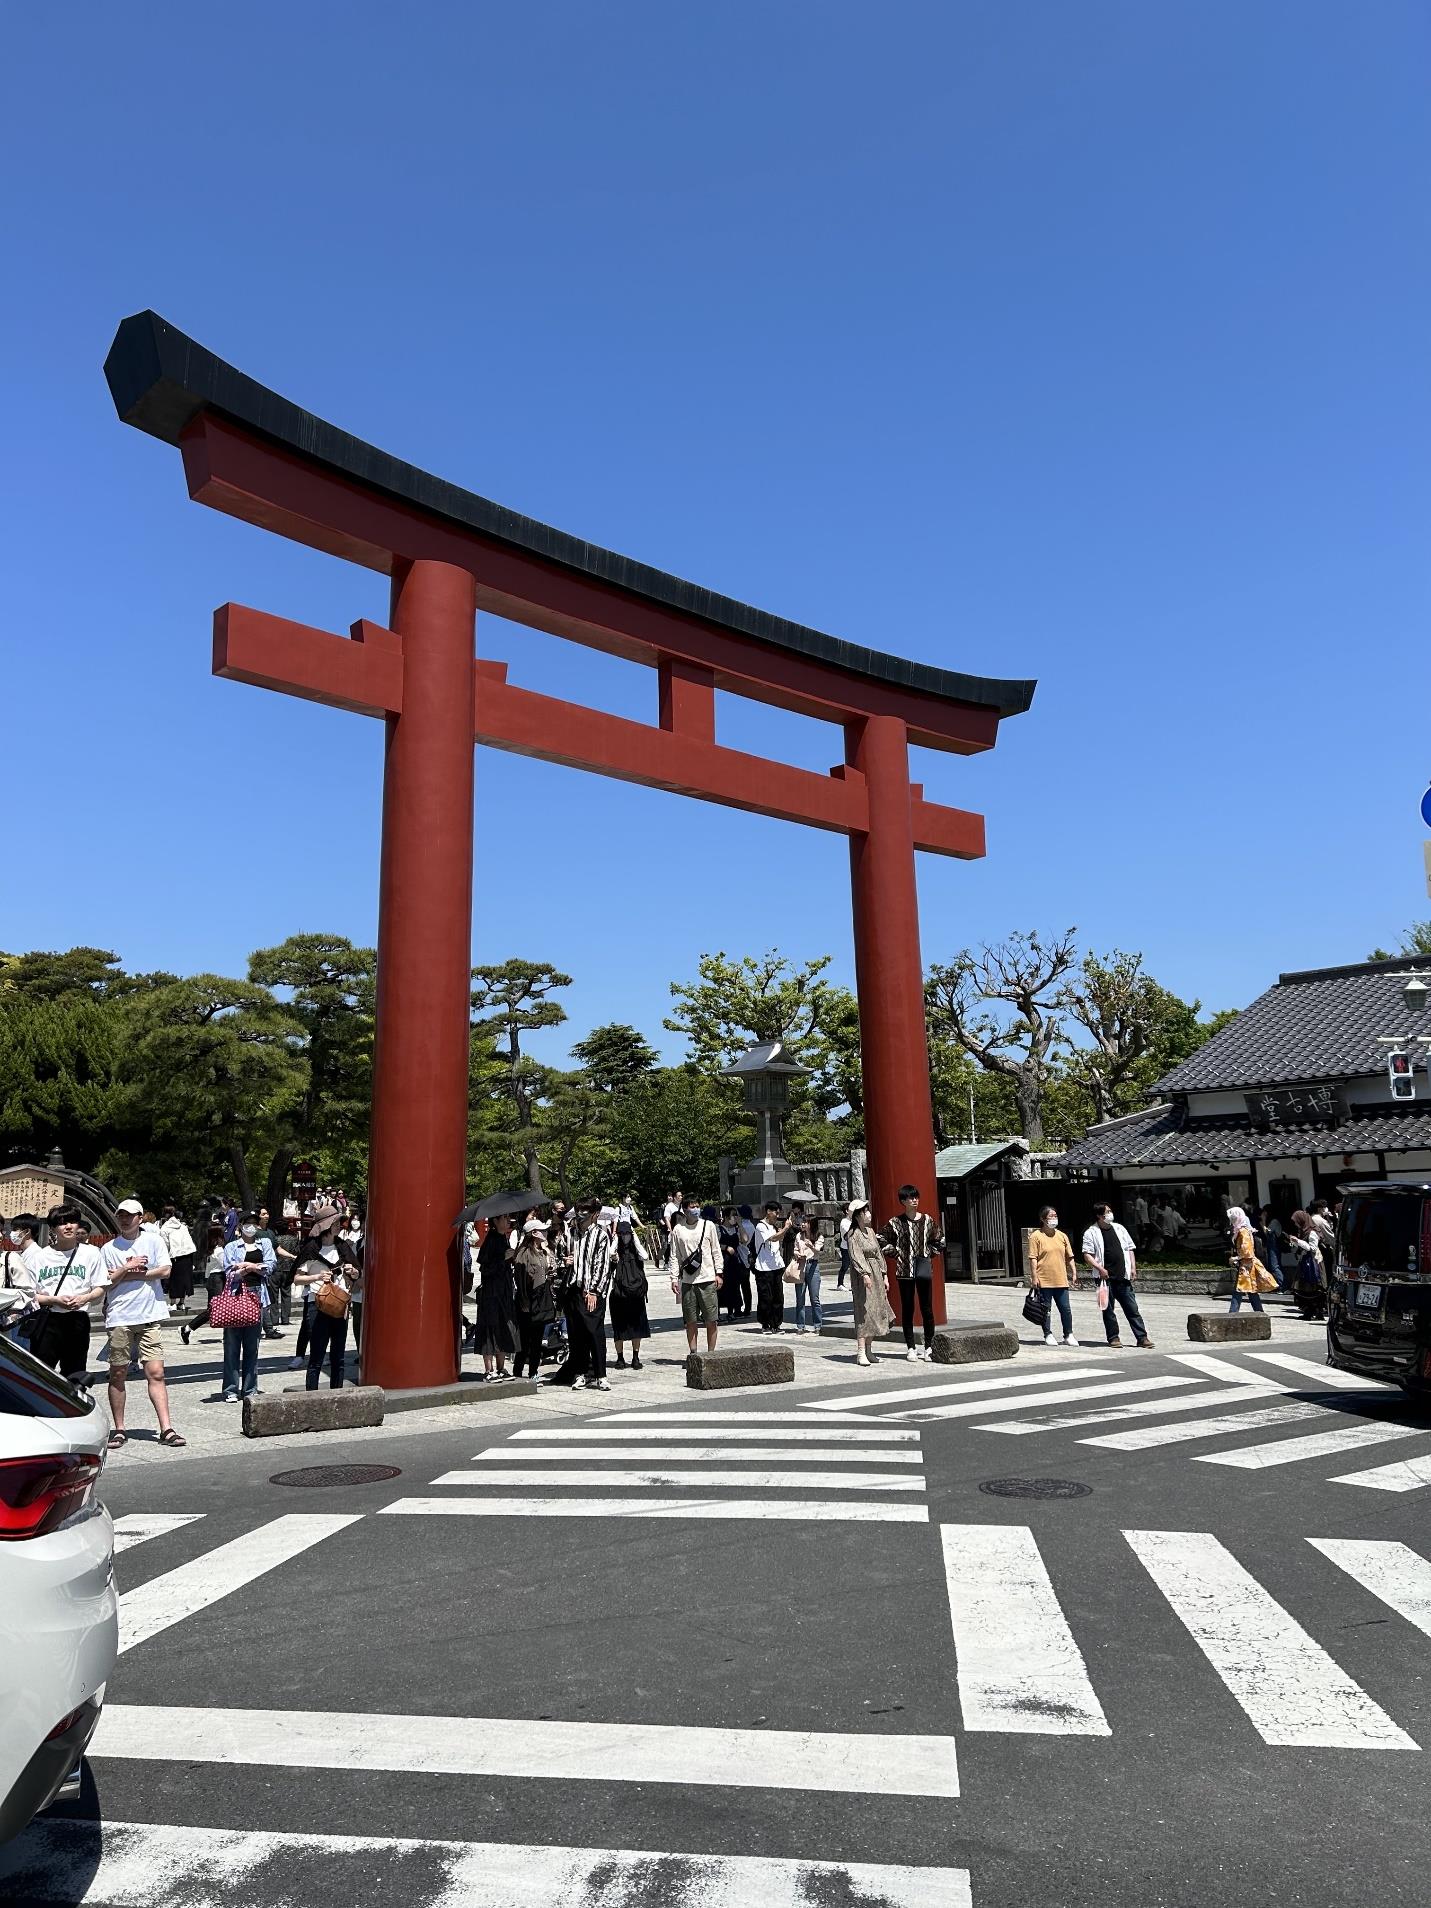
1414	993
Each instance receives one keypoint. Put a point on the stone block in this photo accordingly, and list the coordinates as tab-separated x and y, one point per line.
972	1344
1222	1328
741	1365
278	1414
467	1391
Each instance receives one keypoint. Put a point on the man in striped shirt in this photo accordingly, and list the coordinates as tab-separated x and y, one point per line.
912	1239
592	1264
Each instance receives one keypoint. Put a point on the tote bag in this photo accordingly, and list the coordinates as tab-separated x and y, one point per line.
235	1305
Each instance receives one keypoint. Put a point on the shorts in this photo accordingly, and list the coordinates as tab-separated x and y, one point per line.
700	1304
145	1338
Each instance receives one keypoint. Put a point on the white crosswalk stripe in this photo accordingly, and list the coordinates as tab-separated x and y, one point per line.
965	1387
795	1479
138	1529
590	1472
1019	1669
708	1453
1354	1437
1291	1691
1149	1408
57	1861
1393	1572
1411	1474
1320	1377
1068	1394
166	1600
1148	1437
702	1509
529	1748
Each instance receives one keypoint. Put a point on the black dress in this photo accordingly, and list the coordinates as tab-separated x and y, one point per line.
496	1326
628	1296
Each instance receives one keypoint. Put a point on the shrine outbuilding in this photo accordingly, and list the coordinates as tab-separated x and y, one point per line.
1281	1106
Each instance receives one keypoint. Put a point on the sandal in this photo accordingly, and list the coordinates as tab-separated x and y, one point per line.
171	1437
116	1441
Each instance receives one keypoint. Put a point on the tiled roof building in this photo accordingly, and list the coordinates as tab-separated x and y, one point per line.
1286	1100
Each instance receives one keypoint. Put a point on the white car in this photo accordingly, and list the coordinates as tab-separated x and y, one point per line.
59	1612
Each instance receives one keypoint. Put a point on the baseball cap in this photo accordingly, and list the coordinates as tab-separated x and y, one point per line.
130	1205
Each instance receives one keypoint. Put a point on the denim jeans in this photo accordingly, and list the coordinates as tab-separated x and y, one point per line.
241	1342
1058	1296
1120	1292
1238	1297
809	1284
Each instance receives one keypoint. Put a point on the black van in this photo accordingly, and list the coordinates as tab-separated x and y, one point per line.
1379	1304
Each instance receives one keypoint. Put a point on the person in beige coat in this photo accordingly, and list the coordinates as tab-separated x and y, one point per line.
873	1316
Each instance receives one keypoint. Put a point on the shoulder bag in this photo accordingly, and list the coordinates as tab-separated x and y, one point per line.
332	1300
237	1305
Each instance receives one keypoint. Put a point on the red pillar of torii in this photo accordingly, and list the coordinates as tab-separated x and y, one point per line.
449	554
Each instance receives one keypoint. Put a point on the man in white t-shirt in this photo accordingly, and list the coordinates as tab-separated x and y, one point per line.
63	1273
131	1275
769	1244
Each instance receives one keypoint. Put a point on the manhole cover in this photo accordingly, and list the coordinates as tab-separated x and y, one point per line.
315	1476
1035	1487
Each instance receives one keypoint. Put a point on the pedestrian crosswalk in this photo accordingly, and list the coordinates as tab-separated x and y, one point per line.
1262	1411
704	1466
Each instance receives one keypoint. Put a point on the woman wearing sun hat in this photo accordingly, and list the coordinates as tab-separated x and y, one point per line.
534	1268
868	1282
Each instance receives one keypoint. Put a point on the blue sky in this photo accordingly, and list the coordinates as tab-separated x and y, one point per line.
1085	342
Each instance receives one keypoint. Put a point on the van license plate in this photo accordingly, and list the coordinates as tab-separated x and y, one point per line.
1368	1298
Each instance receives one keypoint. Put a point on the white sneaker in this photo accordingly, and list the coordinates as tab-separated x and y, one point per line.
597	1384
924	1353
1070	1340
1049	1339
862	1360
911	1357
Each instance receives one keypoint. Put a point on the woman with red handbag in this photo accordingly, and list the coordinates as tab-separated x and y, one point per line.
239	1310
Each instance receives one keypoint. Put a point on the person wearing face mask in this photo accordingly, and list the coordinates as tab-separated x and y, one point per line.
241	1342
696	1270
17	1249
1053	1270
327	1262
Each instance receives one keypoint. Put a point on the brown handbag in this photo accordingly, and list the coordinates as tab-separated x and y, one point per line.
332	1300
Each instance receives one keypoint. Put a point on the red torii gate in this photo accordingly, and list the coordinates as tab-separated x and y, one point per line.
449	553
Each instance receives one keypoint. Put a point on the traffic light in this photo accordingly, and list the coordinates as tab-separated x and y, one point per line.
1398	1071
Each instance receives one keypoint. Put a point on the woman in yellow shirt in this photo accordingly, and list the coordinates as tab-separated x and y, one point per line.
1053	1269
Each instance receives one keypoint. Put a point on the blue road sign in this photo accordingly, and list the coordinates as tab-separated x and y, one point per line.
1426	808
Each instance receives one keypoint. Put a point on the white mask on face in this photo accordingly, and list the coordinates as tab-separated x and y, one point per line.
249	1232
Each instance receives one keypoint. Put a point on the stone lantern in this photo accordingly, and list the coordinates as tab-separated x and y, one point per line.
767	1072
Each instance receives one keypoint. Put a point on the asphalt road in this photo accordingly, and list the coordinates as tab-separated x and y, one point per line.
459	1685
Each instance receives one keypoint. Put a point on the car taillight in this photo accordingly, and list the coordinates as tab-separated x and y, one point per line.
38	1493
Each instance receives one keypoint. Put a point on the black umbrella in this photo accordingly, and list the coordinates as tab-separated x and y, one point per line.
495	1204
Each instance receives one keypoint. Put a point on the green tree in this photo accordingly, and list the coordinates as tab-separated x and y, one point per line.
736	1002
508	1000
214	1069
90	971
614	1055
327	986
1005	1008
58	1055
1415	945
1137	1031
671	1128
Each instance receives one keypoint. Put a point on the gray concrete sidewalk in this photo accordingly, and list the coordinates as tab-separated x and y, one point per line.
821	1363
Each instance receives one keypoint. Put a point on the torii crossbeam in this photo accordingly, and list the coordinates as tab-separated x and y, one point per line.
449	553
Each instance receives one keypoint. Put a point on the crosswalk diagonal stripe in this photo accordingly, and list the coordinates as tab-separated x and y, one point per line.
122	1864
592	1479
166	1600
138	1527
1394	1573
1226	1370
1258	1457
1070	1394
529	1748
1147	1437
1290	1690
964	1387
1411	1474
1149	1408
1019	1668
702	1509
706	1453
1320	1377
806	1433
